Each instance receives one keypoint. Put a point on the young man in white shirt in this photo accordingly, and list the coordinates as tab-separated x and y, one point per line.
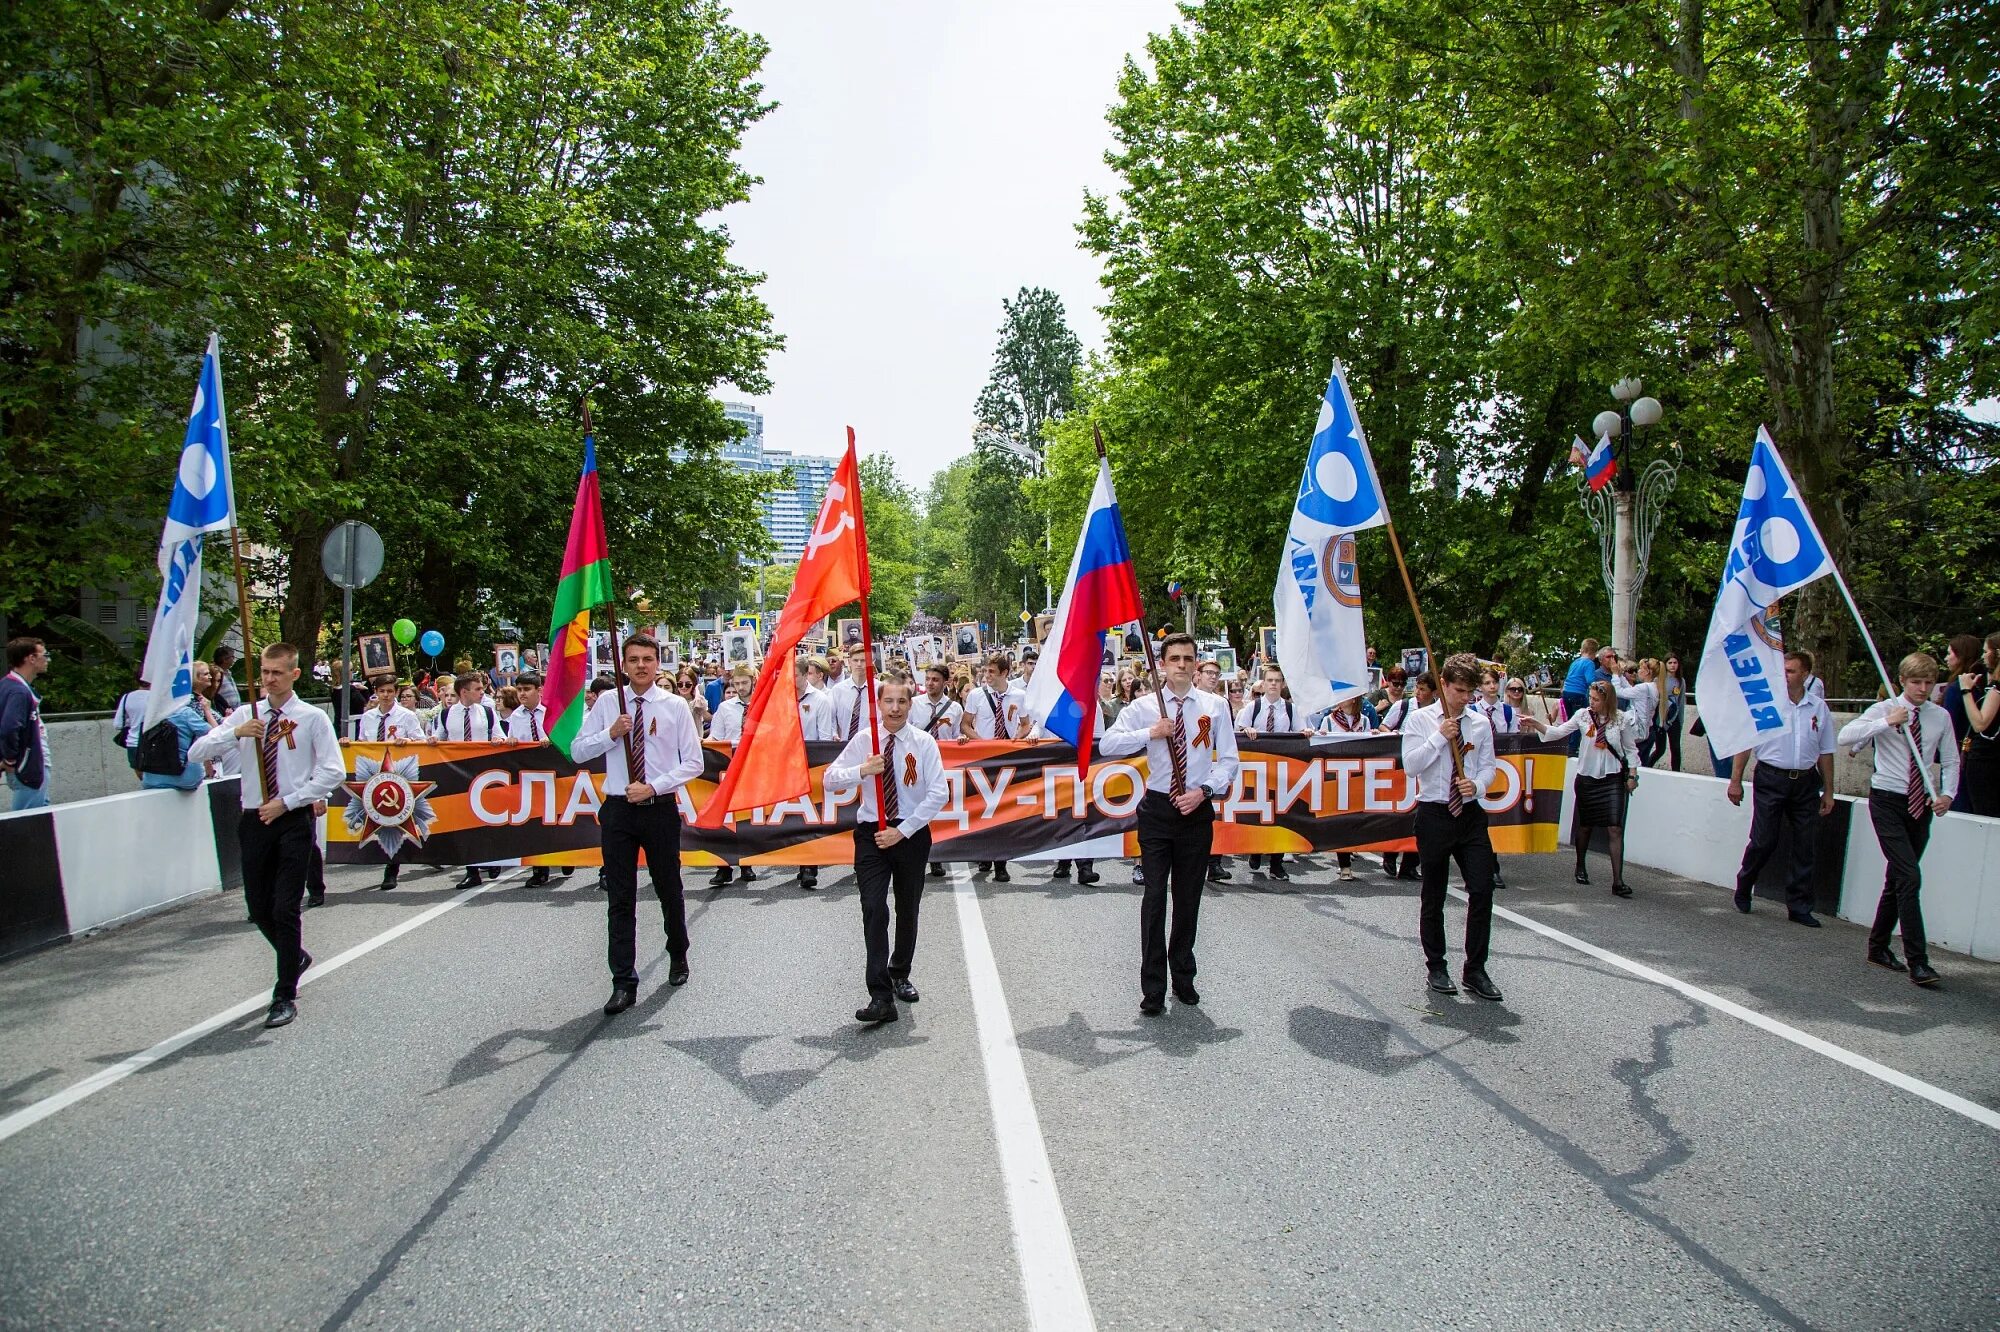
651	750
936	715
290	761
385	721
1793	785
1902	807
1191	763
1270	713
848	704
528	724
471	718
1448	753
996	710
727	726
892	840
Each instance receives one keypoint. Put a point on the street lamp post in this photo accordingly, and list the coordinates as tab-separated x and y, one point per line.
1626	521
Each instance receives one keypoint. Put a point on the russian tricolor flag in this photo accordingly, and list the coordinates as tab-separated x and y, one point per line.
1102	594
1601	466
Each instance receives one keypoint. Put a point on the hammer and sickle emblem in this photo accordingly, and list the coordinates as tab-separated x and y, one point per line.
835	493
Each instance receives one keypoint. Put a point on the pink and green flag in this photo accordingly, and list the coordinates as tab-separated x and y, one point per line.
585	585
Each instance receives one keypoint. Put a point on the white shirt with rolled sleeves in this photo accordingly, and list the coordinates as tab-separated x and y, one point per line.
815	716
1427	754
529	726
1394	715
1804	739
727	723
397	726
673	745
947	714
1643	696
1892	746
1269	716
1593	759
918	799
1211	766
841	710
983	703
478	723
309	762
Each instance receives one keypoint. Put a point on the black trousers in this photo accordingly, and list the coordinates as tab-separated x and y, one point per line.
899	869
1173	852
1674	744
276	859
1441	839
628	829
1903	841
1779	800
1573	704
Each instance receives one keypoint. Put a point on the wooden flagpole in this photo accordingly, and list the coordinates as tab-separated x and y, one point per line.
250	669
867	683
1145	635
634	742
1436	667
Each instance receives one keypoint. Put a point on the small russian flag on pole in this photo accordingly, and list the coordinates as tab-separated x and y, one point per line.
1601	466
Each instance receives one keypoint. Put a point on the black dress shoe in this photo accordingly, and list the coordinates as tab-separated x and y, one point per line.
1921	973
1217	874
388	882
1061	871
810	885
1410	871
1186	993
745	874
1885	959
904	990
1480	984
471	879
677	974
1280	872
936	870
315	899
305	960
721	877
1441	980
538	877
1152	1007
1085	874
1138	876
1000	874
1583	876
879	1011
1805	918
282	1012
1743	900
1622	889
622	998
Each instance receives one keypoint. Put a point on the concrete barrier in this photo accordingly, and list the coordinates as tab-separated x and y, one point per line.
1685	825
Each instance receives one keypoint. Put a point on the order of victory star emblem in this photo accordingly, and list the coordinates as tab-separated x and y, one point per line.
389	804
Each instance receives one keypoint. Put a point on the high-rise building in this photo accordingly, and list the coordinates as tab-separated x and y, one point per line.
788	513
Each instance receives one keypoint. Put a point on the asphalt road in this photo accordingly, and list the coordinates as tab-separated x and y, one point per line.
453	1136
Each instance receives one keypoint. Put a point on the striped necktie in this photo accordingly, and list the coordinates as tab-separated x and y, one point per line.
1177	749
1919	798
267	752
891	799
534	726
1453	801
637	752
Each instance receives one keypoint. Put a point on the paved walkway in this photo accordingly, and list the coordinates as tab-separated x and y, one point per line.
453	1136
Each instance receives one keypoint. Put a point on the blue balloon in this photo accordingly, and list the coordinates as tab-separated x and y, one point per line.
432	643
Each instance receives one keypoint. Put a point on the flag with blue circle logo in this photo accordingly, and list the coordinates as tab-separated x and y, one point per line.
203	501
1317	601
1774	550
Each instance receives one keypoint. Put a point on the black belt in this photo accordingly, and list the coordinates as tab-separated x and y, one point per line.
1793	773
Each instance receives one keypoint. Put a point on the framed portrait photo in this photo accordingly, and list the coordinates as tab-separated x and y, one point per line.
1225	662
1043	623
965	641
739	648
1267	643
506	662
378	656
1133	642
850	633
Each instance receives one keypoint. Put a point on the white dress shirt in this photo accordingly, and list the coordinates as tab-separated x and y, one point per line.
309	763
983	704
920	786
1603	745
1892	748
1800	744
1427	754
1268	716
399	724
529	726
672	744
1643	696
1502	716
841	710
947	714
815	715
478	722
1397	713
1211	759
727	723
1337	722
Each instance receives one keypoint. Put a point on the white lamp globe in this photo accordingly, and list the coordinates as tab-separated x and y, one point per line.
1646	412
1608	423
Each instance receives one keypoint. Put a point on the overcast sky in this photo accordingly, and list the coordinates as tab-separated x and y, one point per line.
924	161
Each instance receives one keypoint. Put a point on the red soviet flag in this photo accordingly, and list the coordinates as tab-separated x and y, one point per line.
770	763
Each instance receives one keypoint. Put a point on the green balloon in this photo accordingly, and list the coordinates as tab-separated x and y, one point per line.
404	630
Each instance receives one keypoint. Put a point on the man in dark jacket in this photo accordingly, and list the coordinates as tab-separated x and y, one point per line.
24	742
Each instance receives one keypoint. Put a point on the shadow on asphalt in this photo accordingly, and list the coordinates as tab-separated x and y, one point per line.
1180	1033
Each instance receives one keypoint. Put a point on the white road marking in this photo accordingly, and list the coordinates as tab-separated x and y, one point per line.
1958	1105
1051	1279
30	1115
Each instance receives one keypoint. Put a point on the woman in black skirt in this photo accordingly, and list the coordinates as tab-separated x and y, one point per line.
1606	772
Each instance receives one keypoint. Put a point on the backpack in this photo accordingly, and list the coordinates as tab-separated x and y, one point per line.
159	750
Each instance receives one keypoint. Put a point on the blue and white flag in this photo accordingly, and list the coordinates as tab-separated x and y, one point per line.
1317	601
1774	551
203	501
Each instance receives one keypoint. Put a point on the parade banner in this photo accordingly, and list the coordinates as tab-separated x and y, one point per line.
464	804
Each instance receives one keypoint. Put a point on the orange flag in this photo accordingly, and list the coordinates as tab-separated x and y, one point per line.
770	763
